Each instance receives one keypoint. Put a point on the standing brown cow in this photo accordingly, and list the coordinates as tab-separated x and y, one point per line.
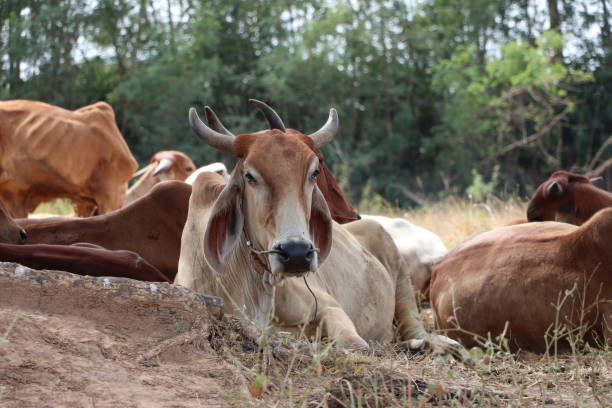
47	152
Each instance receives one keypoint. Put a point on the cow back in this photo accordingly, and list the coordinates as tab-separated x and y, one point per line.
150	226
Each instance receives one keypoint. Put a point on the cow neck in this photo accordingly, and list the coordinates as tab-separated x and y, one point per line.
141	187
259	263
248	289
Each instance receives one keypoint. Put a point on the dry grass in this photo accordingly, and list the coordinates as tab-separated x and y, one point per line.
60	206
455	219
384	376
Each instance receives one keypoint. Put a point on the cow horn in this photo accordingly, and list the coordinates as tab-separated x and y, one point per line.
595	180
214	123
325	135
215	139
274	121
164	165
141	171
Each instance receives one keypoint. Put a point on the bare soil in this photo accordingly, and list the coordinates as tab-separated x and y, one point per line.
104	342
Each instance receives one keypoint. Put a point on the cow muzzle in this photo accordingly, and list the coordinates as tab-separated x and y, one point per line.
294	257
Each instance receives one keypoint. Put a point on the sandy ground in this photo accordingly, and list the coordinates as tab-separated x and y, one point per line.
77	341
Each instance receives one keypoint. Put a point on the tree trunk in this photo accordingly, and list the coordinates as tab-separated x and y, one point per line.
555	24
605	31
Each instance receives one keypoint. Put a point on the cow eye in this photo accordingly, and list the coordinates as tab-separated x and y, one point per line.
314	174
188	169
249	177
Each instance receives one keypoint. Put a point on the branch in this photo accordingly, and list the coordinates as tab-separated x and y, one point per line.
600	169
410	194
520	143
507	95
599	153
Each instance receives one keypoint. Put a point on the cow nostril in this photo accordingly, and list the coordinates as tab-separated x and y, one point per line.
296	256
23	236
282	254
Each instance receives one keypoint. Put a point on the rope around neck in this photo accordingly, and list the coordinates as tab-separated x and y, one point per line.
315	299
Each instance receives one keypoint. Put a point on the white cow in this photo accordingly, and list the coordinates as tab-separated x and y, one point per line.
419	247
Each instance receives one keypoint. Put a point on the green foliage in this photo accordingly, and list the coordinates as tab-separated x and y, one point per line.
479	189
426	91
515	100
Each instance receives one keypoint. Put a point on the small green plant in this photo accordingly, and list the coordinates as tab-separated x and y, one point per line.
372	202
480	189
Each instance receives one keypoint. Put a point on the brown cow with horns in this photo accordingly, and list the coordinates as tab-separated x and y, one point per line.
165	165
248	241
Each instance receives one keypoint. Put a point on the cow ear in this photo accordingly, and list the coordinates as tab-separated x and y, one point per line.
225	224
554	189
320	225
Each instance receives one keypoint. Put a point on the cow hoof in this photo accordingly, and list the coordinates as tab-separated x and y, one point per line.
443	345
353	343
413	346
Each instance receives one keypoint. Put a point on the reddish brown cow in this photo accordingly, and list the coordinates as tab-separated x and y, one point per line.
567	197
150	226
82	259
49	152
165	165
516	274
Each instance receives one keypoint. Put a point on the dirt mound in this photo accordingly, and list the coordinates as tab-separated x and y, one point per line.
70	340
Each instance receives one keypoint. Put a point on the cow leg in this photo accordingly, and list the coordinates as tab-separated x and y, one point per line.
411	327
295	306
336	325
83	208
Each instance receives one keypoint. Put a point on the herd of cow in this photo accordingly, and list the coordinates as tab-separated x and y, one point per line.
277	240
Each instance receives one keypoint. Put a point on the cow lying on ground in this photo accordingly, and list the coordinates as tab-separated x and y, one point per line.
249	239
567	197
82	259
150	226
49	152
517	273
165	165
419	247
